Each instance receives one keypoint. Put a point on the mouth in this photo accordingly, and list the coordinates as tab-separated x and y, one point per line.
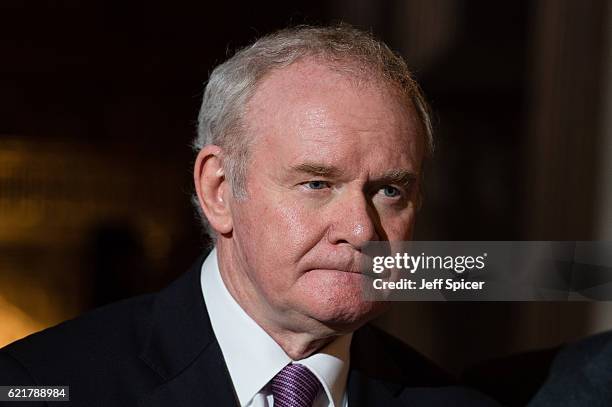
349	271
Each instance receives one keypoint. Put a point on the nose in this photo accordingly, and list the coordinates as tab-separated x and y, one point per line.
354	222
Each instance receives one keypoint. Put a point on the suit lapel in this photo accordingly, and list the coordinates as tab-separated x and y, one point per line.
204	383
182	349
369	382
367	391
386	372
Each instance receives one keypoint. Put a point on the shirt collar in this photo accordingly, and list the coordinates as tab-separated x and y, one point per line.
252	357
330	365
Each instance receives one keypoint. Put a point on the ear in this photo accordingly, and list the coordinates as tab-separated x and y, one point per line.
212	189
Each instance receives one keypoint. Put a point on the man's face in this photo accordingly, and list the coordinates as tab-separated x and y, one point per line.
334	164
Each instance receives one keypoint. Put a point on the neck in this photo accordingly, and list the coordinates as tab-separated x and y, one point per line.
297	340
298	346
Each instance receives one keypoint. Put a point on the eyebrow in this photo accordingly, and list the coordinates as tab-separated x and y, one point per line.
404	178
401	177
320	170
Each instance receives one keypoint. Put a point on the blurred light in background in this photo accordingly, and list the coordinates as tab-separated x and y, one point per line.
60	206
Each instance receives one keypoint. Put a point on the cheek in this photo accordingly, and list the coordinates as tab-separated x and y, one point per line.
398	226
284	232
299	227
283	229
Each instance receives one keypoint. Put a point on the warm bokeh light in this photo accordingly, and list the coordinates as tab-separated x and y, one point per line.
15	323
78	221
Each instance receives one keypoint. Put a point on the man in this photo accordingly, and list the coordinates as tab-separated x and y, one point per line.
311	143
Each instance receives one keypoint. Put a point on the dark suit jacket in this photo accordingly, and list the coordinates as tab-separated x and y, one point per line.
580	375
160	350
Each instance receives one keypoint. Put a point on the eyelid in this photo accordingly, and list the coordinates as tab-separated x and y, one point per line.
402	193
315	180
383	186
305	183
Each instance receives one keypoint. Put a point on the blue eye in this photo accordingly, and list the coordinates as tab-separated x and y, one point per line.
391	192
316	184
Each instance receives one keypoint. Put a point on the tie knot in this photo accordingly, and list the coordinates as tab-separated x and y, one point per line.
295	386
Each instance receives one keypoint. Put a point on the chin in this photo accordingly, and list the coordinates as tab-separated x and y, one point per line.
341	313
345	319
334	299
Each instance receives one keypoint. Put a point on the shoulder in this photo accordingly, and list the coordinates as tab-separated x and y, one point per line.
592	353
382	354
383	368
108	335
120	353
581	374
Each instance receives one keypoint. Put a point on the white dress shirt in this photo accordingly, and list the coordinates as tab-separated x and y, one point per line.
253	358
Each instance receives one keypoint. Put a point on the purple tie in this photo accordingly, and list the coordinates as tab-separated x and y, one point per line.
295	386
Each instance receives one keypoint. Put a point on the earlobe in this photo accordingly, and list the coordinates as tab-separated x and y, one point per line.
211	189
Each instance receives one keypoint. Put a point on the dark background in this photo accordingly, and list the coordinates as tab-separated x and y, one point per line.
98	104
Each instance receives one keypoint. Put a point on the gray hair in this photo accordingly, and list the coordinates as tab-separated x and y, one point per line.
233	83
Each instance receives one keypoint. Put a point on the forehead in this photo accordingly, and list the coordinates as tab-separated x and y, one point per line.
310	111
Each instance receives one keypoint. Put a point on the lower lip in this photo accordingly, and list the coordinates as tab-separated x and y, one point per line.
345	272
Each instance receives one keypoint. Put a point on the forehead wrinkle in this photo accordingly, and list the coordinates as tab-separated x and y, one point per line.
316	116
328	134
